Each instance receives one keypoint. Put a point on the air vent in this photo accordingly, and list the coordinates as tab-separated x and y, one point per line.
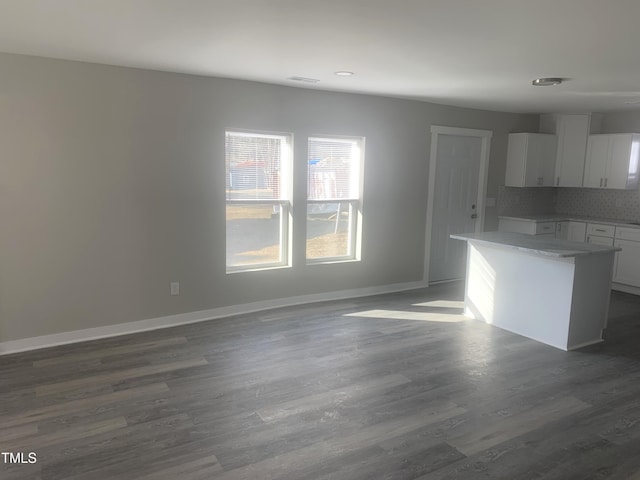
547	82
304	79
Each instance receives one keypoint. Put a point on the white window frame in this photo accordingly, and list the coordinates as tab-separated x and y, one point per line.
285	203
355	207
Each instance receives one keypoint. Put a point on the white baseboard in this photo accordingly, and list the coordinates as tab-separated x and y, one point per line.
582	345
625	288
44	341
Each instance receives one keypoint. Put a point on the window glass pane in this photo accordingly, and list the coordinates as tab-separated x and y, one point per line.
334	173
253	235
329	227
258	174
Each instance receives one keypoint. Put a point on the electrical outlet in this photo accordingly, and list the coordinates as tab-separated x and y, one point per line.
175	288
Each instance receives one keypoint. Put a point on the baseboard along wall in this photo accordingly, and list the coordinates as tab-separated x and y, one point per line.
76	336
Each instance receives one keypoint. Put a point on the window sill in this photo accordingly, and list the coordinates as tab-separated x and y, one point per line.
331	261
257	268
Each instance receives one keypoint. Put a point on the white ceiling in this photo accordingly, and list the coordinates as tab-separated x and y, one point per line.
474	53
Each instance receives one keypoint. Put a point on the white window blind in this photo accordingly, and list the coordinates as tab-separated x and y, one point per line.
334	166
254	166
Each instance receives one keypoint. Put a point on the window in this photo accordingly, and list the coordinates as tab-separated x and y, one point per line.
258	180
334	191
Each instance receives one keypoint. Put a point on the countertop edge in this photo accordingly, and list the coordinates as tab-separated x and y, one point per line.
546	252
557	217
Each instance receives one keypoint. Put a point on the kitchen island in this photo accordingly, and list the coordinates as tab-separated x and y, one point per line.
553	291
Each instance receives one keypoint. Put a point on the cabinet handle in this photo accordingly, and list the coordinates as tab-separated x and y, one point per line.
600	182
600	230
605	181
557	181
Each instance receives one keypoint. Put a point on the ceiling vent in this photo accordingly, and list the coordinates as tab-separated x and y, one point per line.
303	79
547	82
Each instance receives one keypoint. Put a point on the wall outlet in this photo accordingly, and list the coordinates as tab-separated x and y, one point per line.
175	288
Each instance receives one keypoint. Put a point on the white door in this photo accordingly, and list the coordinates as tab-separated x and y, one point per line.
455	207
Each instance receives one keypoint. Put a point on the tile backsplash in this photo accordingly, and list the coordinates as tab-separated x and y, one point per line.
623	205
514	201
593	202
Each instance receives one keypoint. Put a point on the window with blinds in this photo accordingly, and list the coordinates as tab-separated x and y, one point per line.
258	184
334	186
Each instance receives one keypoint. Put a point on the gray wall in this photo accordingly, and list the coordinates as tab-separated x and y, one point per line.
112	185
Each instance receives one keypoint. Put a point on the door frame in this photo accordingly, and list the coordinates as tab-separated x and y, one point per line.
485	148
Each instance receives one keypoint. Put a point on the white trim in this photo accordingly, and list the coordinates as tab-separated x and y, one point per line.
465	132
582	345
485	149
625	288
44	341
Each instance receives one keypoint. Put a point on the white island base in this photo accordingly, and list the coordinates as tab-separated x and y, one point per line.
552	291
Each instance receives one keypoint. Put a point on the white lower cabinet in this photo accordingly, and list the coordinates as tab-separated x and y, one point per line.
562	230
600	240
626	273
627	264
600	234
529	227
577	231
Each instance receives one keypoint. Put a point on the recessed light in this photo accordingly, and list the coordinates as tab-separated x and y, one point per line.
303	79
344	73
547	82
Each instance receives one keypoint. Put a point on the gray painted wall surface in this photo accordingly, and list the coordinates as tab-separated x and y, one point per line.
112	185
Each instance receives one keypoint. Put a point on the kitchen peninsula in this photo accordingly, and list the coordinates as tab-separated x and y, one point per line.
553	291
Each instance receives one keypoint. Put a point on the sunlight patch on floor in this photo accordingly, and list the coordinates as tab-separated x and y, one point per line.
404	315
441	304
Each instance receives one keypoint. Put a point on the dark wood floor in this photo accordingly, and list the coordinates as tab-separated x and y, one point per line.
391	387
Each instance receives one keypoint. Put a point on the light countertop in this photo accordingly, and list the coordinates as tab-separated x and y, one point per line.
560	217
549	247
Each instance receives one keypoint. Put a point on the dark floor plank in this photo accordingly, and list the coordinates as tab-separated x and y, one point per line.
397	386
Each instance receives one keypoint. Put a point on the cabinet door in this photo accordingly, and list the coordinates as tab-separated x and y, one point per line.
600	240
516	160
546	159
532	155
562	230
597	158
573	131
627	266
517	226
530	160
577	231
622	168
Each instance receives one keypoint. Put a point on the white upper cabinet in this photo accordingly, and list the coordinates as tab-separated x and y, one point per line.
572	131
530	160
613	161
